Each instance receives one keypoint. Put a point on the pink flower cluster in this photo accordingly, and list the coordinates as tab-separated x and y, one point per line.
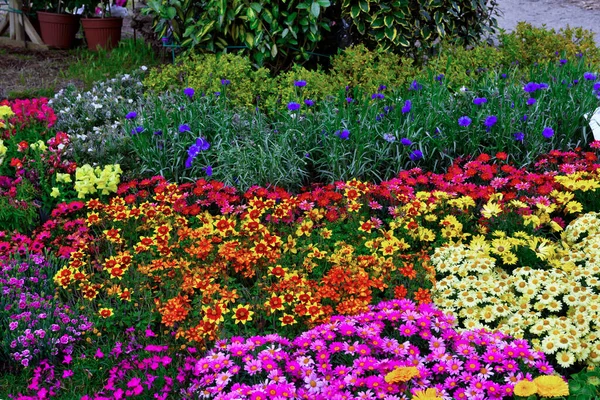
349	358
31	110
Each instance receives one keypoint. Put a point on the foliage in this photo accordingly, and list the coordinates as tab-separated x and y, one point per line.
274	33
409	27
528	44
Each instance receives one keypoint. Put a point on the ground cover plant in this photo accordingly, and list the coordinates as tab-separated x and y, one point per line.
144	252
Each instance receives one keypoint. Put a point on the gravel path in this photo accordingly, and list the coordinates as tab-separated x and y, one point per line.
553	13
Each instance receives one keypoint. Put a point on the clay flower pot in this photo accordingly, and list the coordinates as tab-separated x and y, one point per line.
102	32
58	30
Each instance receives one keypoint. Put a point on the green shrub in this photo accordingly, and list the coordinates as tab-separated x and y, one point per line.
408	27
204	72
528	44
272	33
361	68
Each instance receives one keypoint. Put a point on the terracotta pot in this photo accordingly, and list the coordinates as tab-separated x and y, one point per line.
102	32
58	30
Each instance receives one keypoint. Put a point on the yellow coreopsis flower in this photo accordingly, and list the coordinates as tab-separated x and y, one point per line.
551	386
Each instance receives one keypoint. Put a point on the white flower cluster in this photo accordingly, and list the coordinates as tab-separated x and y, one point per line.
558	309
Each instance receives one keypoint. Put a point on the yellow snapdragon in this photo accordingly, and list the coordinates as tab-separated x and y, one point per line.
2	151
89	180
5	112
39	145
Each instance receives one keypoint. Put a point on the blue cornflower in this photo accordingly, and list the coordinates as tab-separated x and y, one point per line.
225	82
137	129
184	128
189	161
131	115
439	77
309	102
524	118
217	94
490	121
544	86
503	76
293	106
407	106
377	96
479	101
415	86
531	87
189	92
381	88
158	133
596	86
349	100
548	132
405	141
519	136
590	76
563	61
416	155
344	134
208	170
300	83
379	117
531	101
464	121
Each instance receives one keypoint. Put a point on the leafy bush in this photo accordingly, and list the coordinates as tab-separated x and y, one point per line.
273	33
408	27
206	73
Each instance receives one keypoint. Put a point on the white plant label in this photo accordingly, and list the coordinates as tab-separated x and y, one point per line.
595	124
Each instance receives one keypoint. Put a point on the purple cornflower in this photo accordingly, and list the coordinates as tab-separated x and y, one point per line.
439	78
405	141
416	155
490	121
531	101
415	85
464	121
407	107
344	134
531	87
225	82
377	96
137	129
189	92
503	76
519	136
184	128
293	106
479	101
589	76
208	170
300	83
381	88
548	132
349	100
131	115
158	132
309	102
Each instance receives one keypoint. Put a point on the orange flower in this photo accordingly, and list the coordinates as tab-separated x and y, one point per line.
287	320
105	312
242	314
275	303
213	314
401	374
423	296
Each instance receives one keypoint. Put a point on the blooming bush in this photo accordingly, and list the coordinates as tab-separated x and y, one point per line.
551	298
36	325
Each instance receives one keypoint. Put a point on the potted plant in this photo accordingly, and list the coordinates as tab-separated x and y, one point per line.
58	22
103	27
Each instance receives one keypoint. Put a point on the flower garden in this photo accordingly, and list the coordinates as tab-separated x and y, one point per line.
234	235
